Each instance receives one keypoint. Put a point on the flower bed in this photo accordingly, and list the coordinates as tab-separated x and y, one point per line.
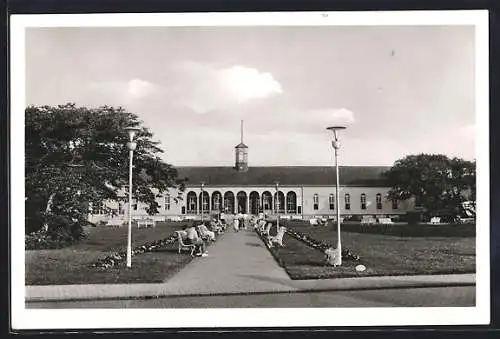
320	245
115	259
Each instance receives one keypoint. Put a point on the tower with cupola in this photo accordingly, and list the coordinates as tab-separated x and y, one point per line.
241	154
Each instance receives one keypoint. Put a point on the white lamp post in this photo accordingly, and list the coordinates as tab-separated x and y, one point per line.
336	147
131	147
276	204
201	200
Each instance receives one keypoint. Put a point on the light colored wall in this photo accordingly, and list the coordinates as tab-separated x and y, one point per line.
304	198
355	194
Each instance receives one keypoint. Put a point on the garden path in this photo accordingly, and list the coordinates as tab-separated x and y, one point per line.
236	263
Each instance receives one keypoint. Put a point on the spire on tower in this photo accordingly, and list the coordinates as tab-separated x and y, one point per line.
241	131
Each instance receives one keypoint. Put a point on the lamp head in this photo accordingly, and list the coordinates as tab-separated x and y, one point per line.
132	131
335	130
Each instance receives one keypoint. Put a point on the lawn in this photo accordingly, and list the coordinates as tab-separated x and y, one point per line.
71	265
388	251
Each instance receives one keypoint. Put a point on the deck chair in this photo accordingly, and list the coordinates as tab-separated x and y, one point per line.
182	245
266	230
205	233
278	238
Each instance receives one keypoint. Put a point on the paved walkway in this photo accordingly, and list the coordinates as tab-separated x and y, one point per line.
238	263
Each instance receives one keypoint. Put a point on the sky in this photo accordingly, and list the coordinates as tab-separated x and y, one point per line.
399	90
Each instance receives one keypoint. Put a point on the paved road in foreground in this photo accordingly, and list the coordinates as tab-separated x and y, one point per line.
423	297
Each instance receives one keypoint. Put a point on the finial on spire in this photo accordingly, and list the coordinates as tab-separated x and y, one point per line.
241	131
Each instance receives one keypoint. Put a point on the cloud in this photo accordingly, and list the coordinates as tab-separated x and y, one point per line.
123	92
139	88
332	116
204	88
248	83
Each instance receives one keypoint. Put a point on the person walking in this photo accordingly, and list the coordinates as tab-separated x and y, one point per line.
236	224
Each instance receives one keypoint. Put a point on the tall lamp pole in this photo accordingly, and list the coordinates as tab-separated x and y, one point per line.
276	204
131	147
336	147
201	200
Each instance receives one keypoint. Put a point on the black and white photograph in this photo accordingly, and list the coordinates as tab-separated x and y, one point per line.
250	169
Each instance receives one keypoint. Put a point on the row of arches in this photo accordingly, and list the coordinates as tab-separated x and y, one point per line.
241	202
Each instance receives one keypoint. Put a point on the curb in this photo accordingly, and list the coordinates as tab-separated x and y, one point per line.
393	286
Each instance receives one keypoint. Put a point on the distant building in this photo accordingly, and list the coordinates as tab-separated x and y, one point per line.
291	191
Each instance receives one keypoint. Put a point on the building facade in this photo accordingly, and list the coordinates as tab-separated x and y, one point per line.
292	191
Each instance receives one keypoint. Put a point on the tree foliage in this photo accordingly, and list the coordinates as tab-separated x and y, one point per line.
437	183
76	155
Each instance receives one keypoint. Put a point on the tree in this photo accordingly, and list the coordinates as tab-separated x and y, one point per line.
78	155
437	183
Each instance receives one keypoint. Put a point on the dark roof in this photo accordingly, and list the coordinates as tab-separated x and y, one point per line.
285	175
241	145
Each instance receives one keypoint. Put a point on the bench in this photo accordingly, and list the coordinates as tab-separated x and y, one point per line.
368	220
114	222
435	220
385	221
278	238
146	223
181	235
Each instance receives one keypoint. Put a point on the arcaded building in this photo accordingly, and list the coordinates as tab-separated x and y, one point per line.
292	191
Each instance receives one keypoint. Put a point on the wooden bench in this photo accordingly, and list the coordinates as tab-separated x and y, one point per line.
278	238
368	220
115	222
146	223
435	220
182	245
385	221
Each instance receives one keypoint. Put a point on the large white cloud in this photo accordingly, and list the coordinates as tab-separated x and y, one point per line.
123	92
332	116
204	87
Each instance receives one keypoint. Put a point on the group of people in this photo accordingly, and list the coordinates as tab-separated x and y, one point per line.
239	221
198	235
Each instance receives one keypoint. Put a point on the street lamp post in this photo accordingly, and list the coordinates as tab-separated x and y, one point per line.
201	200
336	147
276	204
131	147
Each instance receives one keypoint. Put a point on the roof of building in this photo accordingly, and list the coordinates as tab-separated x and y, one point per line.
285	175
241	145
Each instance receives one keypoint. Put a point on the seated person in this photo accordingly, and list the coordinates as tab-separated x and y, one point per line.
214	226
204	232
194	239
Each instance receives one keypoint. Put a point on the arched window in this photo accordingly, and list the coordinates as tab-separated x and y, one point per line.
379	201
347	201
331	201
204	201
363	201
279	201
191	202
216	201
229	202
267	203
316	201
291	202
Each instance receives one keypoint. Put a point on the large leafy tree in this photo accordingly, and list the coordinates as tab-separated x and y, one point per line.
76	155
437	183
